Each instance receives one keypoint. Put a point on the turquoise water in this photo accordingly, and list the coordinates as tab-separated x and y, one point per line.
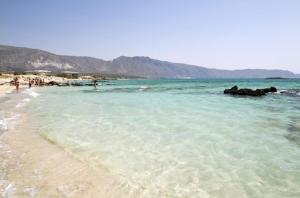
180	138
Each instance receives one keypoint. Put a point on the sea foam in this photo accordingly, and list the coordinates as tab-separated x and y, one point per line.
31	93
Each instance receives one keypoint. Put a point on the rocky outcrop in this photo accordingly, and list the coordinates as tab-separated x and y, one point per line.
52	83
77	84
62	84
271	89
249	92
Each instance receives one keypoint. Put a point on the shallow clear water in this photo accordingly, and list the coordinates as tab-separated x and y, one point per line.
181	138
12	105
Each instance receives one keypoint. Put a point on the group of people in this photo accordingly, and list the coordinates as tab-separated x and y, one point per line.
39	82
35	81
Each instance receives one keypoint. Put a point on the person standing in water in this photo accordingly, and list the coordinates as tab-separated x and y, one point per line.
29	83
32	82
17	83
95	83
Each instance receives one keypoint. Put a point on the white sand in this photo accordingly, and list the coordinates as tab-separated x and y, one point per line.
31	166
34	167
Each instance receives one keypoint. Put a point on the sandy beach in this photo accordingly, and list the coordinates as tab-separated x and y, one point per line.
31	166
37	168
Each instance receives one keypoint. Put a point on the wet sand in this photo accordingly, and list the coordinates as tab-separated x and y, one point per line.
6	89
31	166
35	167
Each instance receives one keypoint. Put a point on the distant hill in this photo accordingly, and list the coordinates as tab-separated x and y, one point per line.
24	59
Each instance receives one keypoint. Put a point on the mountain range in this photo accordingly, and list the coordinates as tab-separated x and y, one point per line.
26	59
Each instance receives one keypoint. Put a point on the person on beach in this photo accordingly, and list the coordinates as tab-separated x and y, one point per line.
17	83
29	83
32	82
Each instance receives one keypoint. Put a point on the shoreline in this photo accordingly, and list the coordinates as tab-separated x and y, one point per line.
32	166
6	88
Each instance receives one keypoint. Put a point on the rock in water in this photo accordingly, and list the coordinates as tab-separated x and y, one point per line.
232	90
51	83
249	92
271	89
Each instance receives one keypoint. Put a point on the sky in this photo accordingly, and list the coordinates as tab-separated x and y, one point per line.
224	34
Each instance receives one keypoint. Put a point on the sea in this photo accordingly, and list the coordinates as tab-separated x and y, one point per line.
175	138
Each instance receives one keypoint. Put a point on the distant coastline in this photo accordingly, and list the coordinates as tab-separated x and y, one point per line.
276	78
21	59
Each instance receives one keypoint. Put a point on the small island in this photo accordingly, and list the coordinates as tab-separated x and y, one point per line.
276	78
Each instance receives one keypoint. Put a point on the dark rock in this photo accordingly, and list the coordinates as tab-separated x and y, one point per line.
271	89
77	84
249	92
52	83
83	84
232	90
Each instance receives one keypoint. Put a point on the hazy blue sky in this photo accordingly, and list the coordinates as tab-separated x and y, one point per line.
229	34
